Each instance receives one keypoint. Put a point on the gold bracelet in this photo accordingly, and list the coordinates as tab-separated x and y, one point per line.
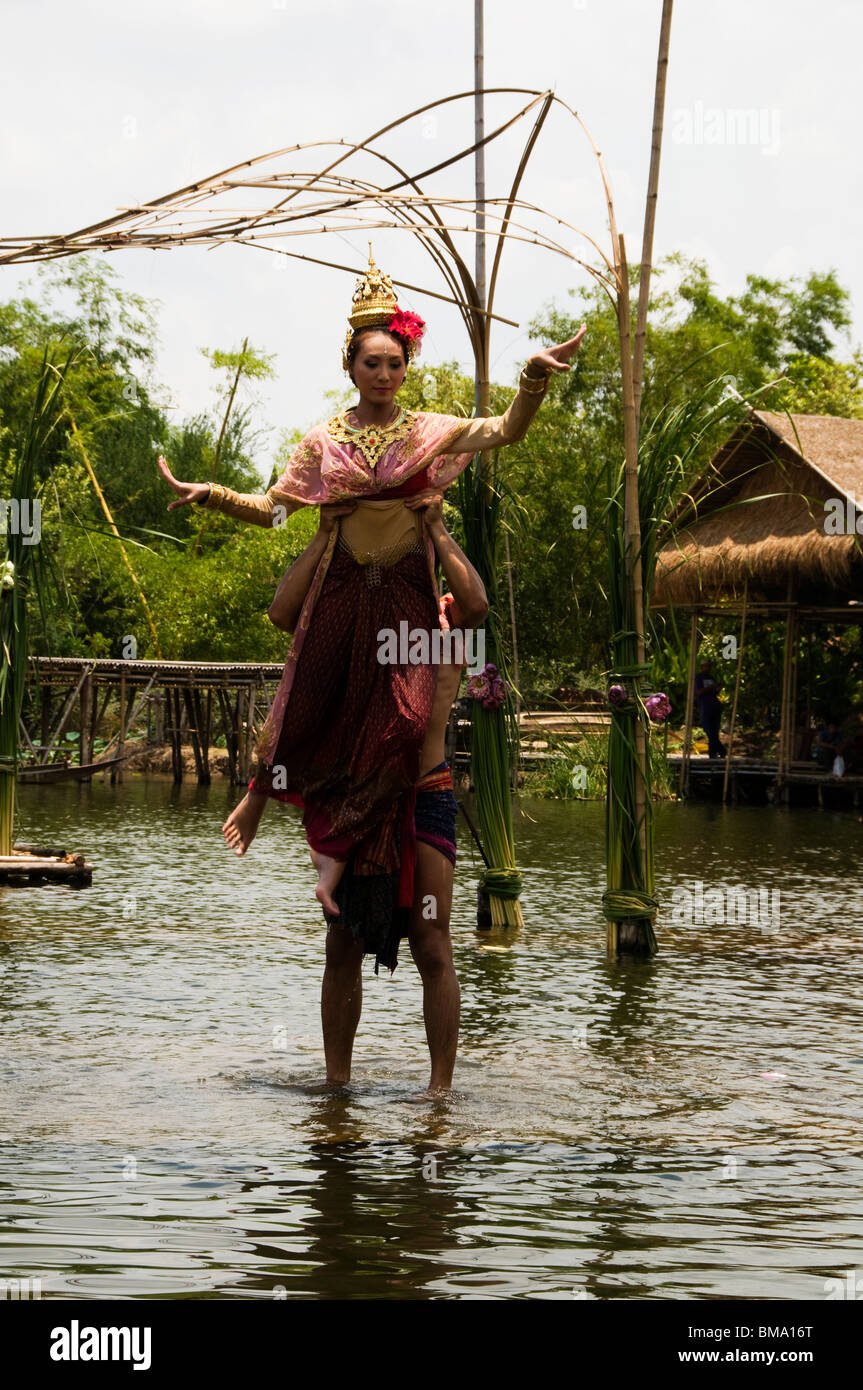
534	385
214	498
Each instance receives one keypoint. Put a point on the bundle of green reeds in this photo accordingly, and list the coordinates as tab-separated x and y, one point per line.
494	731
672	451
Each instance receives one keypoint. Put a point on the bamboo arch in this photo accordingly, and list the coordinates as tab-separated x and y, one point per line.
332	199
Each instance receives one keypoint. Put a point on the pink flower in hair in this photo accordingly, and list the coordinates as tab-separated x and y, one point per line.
408	324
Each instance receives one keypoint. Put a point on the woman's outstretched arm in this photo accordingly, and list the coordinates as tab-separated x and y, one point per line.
261	509
492	431
294	585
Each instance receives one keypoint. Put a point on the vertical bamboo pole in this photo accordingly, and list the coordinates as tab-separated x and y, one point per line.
632	933
159	719
251	737
177	735
202	721
515	674
650	206
208	726
808	677
45	727
631	517
192	725
795	667
636	933
683	783
784	735
240	715
736	692
481	382
121	745
86	714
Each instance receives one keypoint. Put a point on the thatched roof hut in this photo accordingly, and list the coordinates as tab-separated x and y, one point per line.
761	517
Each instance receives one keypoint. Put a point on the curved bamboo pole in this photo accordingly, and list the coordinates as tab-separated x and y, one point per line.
76	435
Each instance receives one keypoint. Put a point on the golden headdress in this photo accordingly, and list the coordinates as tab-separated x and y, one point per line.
374	304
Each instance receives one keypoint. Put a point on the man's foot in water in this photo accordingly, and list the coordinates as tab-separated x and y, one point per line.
329	873
242	824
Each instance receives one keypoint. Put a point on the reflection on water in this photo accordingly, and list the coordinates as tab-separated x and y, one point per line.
687	1126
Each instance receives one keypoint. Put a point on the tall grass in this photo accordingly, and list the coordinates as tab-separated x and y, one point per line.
578	771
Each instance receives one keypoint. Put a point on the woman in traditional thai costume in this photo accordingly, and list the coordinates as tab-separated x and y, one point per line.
345	729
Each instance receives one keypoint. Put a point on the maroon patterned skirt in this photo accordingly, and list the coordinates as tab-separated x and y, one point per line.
349	747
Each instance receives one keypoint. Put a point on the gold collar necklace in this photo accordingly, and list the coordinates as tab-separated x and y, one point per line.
372	440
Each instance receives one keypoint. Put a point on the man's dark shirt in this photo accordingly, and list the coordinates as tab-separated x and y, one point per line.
705	695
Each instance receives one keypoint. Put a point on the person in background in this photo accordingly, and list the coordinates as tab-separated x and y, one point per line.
828	745
709	709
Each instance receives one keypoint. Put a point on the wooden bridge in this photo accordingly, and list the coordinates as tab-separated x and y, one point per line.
132	706
145	704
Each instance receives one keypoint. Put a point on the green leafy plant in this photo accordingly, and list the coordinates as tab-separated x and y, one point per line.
25	569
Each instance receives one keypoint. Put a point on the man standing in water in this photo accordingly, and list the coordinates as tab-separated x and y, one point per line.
429	917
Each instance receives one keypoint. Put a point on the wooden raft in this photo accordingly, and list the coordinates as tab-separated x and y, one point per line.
31	865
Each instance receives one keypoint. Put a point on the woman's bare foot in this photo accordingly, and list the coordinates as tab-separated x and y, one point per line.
242	824
329	873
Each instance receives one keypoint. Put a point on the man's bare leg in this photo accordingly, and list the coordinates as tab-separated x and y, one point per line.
431	949
341	1000
329	873
242	824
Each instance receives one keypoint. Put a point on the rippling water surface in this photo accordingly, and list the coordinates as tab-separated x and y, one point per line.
686	1127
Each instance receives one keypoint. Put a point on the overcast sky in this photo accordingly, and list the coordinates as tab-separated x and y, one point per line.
108	104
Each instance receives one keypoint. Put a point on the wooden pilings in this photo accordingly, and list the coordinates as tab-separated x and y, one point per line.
154	702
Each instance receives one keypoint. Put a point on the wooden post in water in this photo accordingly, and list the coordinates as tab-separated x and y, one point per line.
241	706
784	758
250	728
159	719
795	668
208	728
728	751
45	727
176	734
85	750
192	724
686	752
121	743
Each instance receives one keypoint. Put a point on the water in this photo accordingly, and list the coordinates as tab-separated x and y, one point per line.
687	1127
